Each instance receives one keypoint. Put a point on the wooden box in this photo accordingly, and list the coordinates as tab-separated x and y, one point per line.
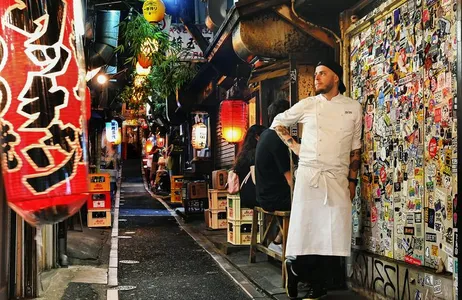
197	190
219	179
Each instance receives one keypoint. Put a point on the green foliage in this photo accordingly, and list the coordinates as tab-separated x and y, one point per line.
168	71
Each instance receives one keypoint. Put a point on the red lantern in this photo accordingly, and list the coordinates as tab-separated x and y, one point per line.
233	117
42	107
144	61
160	141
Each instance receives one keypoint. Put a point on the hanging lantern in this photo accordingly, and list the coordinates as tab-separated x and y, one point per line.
141	71
147	49
199	136
42	109
153	10
149	146
233	117
119	137
160	142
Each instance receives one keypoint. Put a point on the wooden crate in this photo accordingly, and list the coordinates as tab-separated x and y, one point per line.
99	218
218	199
219	179
100	182
215	219
240	232
235	211
100	200
197	190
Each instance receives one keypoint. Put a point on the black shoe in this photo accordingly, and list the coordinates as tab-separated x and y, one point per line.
291	280
315	293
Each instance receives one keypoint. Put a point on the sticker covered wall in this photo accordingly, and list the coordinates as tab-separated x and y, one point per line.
402	69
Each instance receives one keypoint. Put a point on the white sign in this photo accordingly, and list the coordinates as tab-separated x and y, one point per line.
112	129
179	34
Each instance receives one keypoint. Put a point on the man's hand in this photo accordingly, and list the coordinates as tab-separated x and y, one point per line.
285	136
352	187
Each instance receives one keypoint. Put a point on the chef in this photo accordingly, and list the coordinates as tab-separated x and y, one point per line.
329	160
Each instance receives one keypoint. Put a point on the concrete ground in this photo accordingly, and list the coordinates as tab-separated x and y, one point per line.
158	259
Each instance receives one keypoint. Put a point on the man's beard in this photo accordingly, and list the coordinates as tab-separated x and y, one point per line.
325	90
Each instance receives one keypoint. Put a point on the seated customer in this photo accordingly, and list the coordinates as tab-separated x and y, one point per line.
272	169
245	159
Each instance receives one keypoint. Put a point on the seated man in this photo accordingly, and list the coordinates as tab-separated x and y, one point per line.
272	170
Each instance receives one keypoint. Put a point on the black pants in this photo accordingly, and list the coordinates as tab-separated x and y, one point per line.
313	269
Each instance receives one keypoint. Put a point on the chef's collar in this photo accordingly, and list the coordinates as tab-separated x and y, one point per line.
335	98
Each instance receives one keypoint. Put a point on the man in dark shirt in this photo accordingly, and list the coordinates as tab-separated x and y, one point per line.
272	166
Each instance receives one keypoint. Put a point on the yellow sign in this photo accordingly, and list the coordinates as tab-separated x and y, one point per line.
154	10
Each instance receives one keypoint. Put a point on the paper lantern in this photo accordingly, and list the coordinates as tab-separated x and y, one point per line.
42	108
199	136
233	117
149	146
141	71
153	10
160	142
119	137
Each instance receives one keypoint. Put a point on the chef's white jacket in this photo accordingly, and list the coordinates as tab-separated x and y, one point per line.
320	221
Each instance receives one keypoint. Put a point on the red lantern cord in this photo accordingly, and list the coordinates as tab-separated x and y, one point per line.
234	118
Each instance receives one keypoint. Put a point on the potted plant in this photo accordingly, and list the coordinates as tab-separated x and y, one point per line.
164	72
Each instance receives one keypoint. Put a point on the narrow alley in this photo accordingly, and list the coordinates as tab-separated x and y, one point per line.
157	259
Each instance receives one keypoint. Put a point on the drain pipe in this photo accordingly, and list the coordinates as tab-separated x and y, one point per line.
337	38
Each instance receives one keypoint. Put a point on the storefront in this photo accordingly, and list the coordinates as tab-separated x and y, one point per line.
402	67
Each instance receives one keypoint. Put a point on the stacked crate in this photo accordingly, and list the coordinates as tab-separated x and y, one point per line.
215	215
176	185
99	200
240	222
194	197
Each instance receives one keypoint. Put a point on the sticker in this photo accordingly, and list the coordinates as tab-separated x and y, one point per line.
418	217
431	218
448	250
428	281
432	147
410	219
409	230
434	250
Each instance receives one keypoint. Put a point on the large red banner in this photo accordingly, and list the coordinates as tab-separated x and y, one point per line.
42	122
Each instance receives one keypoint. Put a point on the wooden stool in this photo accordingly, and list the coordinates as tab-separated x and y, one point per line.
269	218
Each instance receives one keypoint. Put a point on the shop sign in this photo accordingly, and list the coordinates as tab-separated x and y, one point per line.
112	129
180	35
42	108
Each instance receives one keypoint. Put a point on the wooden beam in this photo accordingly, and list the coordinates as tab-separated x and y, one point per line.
316	32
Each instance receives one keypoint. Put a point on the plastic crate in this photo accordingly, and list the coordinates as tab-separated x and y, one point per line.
176	182
175	196
235	211
218	199
240	232
194	206
100	182
216	219
99	200
99	218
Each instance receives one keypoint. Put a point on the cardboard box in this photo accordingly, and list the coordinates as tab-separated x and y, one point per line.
219	179
197	190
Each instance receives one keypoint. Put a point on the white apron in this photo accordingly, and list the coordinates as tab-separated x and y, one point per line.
320	221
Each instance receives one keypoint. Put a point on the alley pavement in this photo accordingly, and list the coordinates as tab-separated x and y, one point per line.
157	259
159	256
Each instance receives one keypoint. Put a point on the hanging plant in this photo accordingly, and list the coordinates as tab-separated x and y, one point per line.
148	46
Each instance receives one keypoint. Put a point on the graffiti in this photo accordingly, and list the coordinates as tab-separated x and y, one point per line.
397	280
